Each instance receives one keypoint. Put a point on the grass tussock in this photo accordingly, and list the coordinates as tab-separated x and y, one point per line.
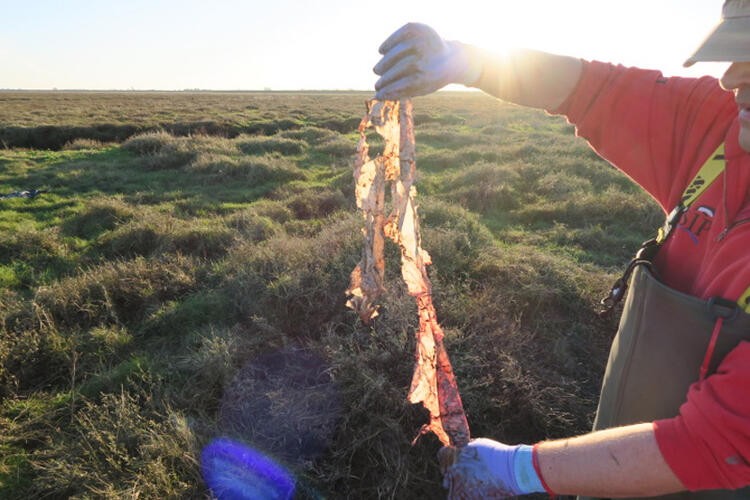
115	292
74	325
293	282
276	210
314	204
33	245
254	170
149	143
263	145
146	451
32	256
310	135
252	226
484	187
158	234
81	143
160	150
100	215
337	147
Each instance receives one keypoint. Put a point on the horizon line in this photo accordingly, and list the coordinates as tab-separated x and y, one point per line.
54	89
198	90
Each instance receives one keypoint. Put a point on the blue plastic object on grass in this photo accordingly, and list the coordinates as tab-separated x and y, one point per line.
235	471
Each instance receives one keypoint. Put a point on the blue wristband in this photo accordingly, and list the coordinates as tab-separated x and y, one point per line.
527	479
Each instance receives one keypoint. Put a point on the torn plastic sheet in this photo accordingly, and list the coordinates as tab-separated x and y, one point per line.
433	383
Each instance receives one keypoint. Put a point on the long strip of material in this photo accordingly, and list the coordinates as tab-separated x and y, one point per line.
433	383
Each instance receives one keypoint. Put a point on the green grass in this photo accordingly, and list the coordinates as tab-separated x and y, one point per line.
186	241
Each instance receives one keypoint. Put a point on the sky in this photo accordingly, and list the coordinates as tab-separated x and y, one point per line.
317	45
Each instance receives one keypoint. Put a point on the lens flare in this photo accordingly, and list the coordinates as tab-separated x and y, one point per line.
234	471
284	402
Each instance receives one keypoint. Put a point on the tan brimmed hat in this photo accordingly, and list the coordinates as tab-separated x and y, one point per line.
730	40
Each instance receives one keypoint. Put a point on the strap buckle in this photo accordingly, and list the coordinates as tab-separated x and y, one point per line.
719	307
669	223
617	292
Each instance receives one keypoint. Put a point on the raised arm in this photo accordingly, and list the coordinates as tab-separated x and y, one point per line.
417	61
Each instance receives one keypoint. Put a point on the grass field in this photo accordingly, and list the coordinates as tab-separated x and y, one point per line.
182	278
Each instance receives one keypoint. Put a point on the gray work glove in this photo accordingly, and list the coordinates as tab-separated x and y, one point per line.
417	61
487	469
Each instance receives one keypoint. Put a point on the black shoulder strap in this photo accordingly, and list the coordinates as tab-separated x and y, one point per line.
707	174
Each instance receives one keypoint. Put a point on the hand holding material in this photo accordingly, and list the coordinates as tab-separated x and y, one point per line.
487	469
417	61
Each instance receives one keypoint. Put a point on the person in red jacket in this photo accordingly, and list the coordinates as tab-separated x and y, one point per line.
674	413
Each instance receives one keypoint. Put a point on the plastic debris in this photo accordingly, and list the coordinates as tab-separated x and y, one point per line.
433	383
31	193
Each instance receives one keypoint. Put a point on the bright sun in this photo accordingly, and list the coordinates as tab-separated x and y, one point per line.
504	24
632	33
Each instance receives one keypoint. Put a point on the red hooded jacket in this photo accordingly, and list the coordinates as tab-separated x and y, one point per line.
659	131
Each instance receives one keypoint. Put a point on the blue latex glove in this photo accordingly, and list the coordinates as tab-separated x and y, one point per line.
417	61
487	469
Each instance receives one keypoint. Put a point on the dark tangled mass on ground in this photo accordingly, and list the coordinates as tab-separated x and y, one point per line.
182	273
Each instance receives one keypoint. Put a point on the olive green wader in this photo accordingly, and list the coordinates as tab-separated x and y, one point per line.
667	340
658	352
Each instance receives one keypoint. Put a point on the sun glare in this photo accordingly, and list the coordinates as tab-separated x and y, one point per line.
632	33
505	25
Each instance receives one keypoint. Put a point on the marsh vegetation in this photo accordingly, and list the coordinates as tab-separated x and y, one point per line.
183	276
